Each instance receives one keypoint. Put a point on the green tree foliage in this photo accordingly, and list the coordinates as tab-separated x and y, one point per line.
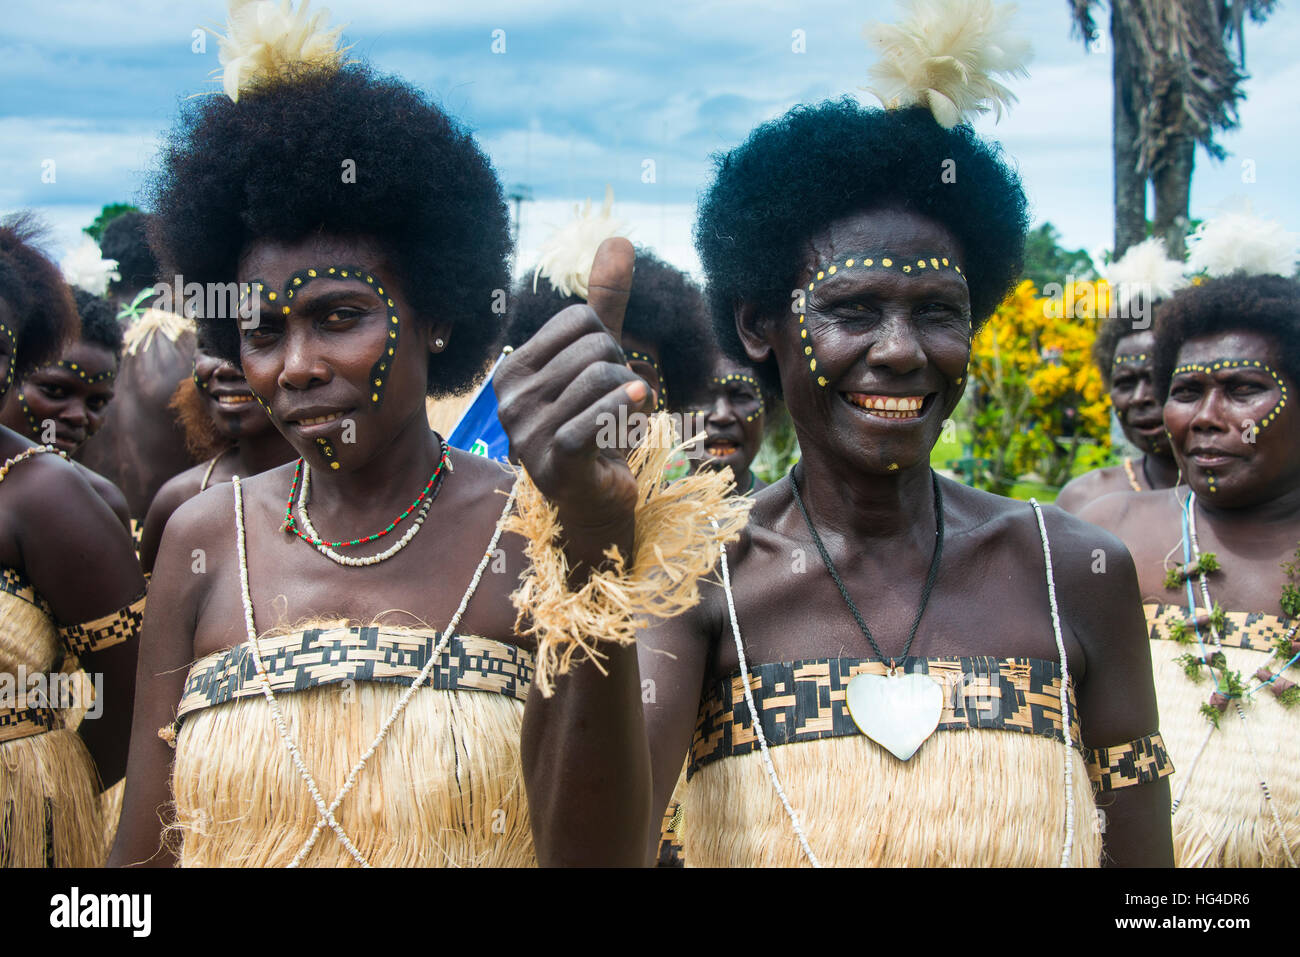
106	215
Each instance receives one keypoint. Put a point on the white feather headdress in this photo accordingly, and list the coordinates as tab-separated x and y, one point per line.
266	39
944	56
85	268
1241	242
566	257
1146	270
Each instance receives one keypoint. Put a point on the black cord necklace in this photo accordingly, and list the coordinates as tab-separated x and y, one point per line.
930	579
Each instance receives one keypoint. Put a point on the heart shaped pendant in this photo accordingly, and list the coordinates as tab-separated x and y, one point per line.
897	712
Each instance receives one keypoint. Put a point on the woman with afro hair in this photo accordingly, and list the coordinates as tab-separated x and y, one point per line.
338	688
851	254
69	588
72	395
1218	562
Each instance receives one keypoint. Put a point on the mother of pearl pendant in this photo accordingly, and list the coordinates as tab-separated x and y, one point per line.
898	712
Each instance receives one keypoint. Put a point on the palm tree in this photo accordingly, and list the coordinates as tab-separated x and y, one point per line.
1176	85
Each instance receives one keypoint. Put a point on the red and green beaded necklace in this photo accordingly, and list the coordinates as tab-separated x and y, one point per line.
434	484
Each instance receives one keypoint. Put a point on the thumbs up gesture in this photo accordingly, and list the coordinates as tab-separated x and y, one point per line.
555	392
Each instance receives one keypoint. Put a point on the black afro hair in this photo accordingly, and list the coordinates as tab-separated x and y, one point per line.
797	174
44	314
665	308
1239	303
126	241
99	325
276	165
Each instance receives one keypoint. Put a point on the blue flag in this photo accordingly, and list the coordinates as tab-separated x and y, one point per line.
479	430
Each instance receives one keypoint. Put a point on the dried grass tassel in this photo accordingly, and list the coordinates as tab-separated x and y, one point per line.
676	545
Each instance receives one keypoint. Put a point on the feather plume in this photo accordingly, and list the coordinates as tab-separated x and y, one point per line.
266	40
85	268
944	56
1145	270
566	257
1242	242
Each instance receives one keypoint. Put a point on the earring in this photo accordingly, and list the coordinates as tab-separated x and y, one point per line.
439	343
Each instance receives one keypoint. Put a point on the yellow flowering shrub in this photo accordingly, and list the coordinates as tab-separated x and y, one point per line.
1037	397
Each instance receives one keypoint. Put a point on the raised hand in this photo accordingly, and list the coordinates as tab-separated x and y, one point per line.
556	394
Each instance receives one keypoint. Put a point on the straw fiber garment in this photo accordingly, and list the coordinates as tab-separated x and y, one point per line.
49	788
973	798
1223	820
986	789
445	787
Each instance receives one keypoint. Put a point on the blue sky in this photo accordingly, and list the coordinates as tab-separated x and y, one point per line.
585	93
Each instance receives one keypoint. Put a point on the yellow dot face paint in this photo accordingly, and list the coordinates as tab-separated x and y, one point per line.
826	271
378	372
663	388
1218	365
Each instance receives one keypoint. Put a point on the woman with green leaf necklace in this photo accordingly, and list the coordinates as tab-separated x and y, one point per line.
1218	566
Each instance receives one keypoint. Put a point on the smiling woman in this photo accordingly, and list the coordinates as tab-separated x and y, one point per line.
859	690
226	429
369	230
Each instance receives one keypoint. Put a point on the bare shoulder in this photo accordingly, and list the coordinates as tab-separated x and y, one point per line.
110	493
179	488
1080	491
1116	510
1002	523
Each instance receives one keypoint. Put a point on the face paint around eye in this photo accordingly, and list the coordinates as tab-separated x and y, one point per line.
857	262
380	371
1209	368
